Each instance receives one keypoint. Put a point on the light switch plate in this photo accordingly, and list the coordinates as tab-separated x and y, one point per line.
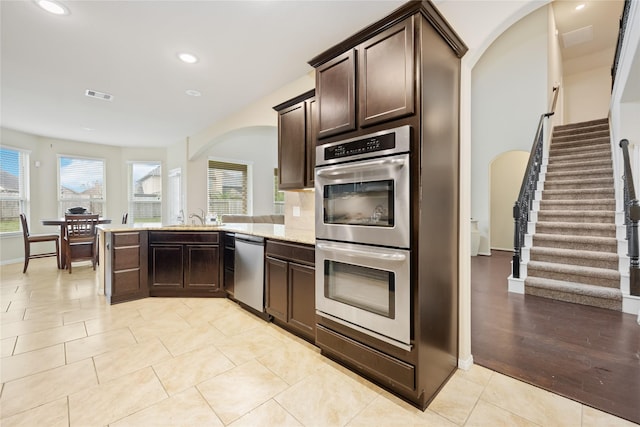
296	211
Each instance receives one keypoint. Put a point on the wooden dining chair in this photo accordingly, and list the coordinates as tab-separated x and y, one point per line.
81	239
37	238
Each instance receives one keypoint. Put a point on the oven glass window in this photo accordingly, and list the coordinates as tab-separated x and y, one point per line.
366	288
360	203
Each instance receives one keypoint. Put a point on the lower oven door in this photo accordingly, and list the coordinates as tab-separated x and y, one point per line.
366	288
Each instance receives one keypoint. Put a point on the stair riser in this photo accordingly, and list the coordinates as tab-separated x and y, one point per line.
605	205
577	166
577	219
577	175
572	277
579	246
587	137
568	297
577	261
559	185
578	231
578	195
578	157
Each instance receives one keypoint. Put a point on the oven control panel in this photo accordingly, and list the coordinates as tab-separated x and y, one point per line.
361	146
383	143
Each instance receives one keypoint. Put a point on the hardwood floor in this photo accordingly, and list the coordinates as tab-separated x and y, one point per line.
587	354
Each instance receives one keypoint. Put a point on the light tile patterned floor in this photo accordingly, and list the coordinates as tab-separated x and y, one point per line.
68	359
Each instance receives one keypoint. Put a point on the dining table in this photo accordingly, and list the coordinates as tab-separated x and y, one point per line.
61	222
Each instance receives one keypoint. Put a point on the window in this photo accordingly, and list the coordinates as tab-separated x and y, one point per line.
81	183
227	188
145	192
278	196
14	187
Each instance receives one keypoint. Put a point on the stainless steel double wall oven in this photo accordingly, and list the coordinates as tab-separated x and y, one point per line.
363	234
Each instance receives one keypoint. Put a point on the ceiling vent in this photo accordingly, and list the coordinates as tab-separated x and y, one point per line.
576	37
98	95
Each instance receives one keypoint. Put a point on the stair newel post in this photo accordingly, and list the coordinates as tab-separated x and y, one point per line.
516	242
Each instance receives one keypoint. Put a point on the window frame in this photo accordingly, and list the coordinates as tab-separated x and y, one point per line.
24	187
249	183
102	201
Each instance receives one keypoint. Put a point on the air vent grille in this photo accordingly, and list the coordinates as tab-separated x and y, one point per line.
99	95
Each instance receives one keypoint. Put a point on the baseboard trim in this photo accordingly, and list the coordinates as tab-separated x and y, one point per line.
465	364
12	261
631	305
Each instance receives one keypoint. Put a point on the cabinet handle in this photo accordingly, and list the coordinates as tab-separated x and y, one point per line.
360	167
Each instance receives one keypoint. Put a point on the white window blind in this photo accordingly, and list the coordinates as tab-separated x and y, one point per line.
81	183
145	192
14	192
227	188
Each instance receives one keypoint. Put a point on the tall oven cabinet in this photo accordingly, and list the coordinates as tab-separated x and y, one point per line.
403	72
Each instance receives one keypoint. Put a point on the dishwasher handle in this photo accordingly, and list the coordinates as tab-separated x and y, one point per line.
250	239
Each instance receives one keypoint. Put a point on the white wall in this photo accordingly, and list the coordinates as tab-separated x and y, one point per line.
504	191
587	95
256	145
43	181
509	92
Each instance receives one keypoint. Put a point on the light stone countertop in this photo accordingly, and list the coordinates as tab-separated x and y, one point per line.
269	231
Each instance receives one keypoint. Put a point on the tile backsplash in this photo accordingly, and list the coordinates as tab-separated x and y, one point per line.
299	209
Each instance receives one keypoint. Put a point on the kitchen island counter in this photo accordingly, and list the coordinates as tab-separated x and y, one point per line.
268	231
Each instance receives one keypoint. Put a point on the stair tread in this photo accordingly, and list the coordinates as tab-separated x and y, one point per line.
562	224
573	253
581	239
573	269
574	287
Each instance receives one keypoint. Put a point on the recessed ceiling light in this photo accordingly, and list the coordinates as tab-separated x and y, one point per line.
88	129
193	92
53	6
188	58
580	7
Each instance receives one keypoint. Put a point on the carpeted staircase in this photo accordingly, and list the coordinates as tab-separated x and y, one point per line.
574	256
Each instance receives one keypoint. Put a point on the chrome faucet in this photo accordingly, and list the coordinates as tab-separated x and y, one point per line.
180	217
200	217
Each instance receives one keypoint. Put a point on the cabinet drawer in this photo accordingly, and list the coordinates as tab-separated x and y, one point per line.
126	239
290	251
126	282
375	363
159	237
126	258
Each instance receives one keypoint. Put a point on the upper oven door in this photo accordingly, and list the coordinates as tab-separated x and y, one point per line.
365	201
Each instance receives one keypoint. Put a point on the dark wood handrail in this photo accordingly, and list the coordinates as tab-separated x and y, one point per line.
523	205
621	30
632	216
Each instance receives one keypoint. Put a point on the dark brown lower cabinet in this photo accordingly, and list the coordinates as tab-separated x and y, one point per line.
125	259
290	287
185	264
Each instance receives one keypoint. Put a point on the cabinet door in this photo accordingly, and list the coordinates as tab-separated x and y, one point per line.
166	266
386	75
291	147
302	299
312	137
276	288
336	95
202	267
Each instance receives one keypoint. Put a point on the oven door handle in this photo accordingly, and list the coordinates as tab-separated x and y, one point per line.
377	254
360	167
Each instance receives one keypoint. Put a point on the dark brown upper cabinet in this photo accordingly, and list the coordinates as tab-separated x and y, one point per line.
297	133
383	71
386	75
336	87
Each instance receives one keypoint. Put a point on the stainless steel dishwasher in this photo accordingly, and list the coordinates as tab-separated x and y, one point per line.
249	271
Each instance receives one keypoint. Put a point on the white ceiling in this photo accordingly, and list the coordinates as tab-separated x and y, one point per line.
247	49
